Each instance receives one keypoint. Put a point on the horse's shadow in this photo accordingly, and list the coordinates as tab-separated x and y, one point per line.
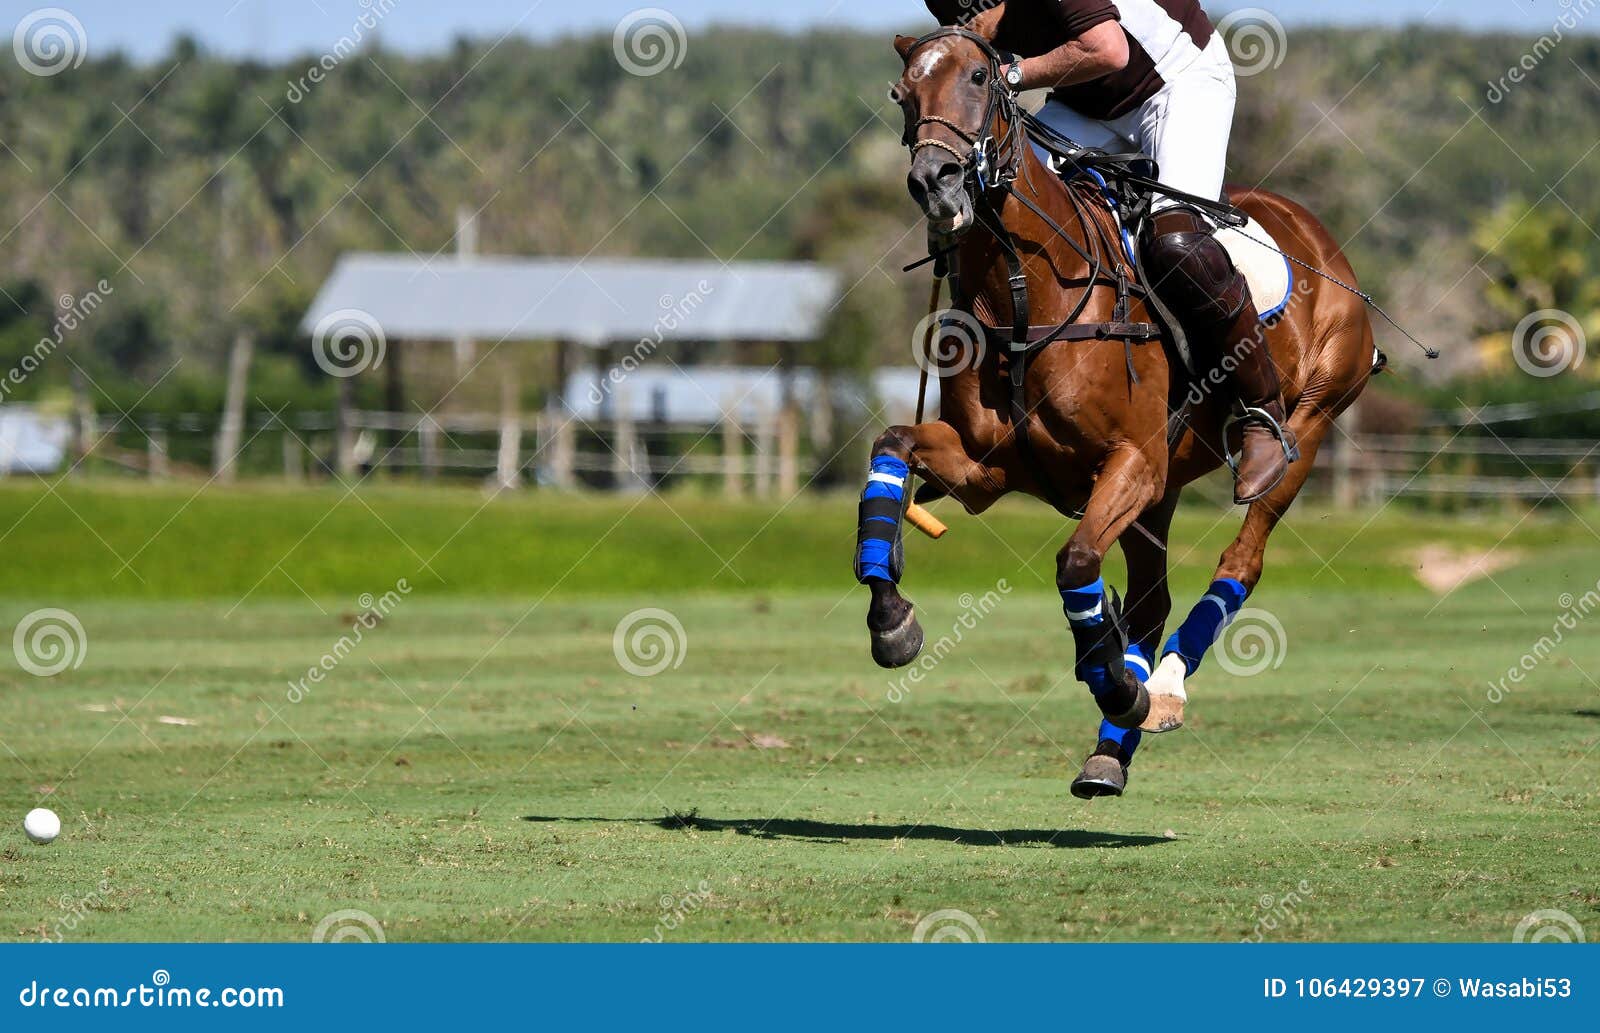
838	832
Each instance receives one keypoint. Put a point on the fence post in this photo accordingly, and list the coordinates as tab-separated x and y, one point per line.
625	446
156	453
764	440
563	448
231	432
428	445
788	451
344	437
1344	459
732	454
509	460
293	457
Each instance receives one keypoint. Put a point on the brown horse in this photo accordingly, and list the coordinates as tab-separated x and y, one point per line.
1096	406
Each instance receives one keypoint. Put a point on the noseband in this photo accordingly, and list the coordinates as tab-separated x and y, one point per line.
989	162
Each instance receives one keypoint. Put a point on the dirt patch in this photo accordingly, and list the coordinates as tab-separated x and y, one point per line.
1443	569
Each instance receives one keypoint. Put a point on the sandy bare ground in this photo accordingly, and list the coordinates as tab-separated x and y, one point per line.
1444	569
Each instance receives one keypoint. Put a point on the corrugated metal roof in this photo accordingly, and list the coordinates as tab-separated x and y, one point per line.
593	301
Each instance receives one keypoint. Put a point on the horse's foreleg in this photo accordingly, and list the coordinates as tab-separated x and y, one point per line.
1149	602
1239	570
1106	661
1126	486
933	449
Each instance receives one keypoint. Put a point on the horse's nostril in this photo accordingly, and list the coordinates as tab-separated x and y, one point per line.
931	180
919	191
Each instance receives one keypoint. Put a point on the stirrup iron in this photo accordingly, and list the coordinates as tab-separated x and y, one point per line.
1254	414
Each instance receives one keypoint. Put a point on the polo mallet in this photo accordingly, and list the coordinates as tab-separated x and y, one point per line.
915	515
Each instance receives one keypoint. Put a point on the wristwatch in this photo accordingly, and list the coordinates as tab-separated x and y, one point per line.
1014	75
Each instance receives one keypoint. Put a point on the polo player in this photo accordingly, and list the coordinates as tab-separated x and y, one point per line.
1155	76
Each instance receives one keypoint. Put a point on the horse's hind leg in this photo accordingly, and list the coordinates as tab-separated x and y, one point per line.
934	449
1240	568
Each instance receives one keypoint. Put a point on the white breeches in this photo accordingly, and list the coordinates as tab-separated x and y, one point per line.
1184	127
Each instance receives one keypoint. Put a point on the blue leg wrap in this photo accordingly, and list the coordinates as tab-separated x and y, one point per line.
1085	608
1127	738
878	531
1137	661
1201	629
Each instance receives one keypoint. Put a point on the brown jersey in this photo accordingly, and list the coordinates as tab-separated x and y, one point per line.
1163	38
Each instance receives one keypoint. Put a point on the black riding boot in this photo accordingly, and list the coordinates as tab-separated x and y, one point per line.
1268	445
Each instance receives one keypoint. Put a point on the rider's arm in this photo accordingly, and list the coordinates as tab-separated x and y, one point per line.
1099	50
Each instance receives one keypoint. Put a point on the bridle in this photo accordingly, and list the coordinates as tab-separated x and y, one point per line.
989	162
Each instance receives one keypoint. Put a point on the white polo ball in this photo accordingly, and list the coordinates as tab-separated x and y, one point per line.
42	825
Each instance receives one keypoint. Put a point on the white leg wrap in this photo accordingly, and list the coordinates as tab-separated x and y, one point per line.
1168	679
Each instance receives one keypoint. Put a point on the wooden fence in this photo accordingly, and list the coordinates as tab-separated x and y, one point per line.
772	457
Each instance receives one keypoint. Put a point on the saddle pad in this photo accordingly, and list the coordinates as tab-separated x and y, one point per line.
1269	273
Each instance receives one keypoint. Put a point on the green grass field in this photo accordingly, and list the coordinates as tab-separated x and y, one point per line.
480	766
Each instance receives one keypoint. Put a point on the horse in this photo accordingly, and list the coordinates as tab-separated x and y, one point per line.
1096	414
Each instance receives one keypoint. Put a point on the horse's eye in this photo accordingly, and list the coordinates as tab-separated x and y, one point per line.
979	76
895	95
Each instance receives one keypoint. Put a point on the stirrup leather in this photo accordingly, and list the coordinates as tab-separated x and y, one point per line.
1253	414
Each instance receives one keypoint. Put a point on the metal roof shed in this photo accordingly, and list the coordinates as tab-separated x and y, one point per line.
593	301
598	303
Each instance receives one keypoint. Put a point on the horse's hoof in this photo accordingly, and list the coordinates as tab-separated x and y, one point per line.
900	644
1136	715
1101	776
1167	696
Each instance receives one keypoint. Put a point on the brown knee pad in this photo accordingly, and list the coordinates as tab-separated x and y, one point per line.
1188	266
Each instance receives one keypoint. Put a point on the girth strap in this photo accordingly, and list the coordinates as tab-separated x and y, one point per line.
1022	346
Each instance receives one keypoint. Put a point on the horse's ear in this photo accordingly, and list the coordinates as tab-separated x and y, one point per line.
987	23
903	45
